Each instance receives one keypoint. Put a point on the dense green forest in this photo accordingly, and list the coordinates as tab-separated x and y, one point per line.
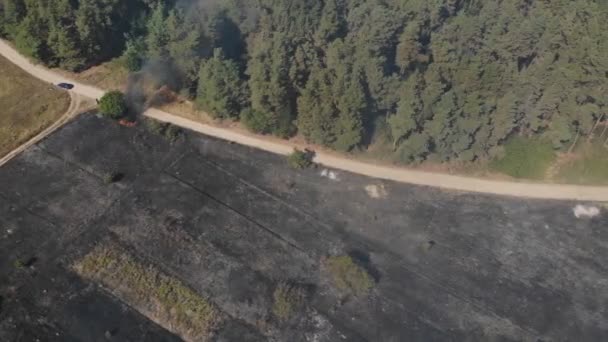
439	80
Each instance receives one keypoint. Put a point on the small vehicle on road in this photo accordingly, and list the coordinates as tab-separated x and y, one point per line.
67	86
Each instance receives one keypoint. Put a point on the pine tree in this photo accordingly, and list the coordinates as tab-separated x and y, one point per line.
157	35
11	14
316	109
182	46
269	81
221	91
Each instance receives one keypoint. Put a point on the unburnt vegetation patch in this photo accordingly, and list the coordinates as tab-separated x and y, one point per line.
164	129
300	159
287	299
348	276
161	298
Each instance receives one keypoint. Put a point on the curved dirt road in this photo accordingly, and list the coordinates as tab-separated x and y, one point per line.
445	181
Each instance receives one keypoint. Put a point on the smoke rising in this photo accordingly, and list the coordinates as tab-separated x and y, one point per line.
150	86
221	23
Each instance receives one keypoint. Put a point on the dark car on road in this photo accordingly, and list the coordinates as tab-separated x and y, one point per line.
67	86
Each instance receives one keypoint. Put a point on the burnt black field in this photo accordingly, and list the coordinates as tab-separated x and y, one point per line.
231	222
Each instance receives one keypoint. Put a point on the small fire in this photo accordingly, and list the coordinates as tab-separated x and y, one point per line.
127	123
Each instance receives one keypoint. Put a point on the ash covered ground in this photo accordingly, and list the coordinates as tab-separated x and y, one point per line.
231	222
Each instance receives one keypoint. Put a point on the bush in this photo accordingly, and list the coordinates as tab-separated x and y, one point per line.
172	132
113	177
155	126
525	158
19	264
287	298
113	104
300	159
164	129
348	276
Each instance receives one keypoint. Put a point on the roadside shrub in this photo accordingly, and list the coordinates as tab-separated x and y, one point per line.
287	298
155	126
113	105
172	132
348	276
164	129
300	159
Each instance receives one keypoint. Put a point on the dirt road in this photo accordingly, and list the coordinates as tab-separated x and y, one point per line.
451	182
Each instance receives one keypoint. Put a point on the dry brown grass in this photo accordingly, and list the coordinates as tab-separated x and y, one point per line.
27	106
109	75
589	165
188	110
162	298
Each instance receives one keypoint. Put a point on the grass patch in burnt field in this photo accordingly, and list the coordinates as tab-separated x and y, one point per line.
161	298
287	299
347	276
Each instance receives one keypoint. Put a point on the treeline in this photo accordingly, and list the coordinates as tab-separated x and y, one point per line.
435	80
70	34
